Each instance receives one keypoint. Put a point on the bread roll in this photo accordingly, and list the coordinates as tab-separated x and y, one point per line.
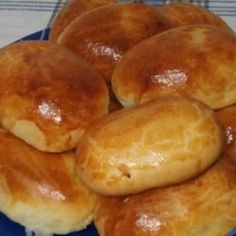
203	206
197	61
159	143
101	36
226	117
40	190
180	13
69	12
48	95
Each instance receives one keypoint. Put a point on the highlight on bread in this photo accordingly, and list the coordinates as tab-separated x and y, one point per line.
163	142
205	205
197	61
48	95
226	117
40	190
71	11
180	13
101	36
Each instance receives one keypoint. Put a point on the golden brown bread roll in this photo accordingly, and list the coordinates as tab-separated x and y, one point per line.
180	13
40	190
136	149
198	61
226	117
203	206
72	10
48	95
101	36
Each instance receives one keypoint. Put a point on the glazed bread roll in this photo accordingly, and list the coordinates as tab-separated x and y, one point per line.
180	13
159	143
101	36
226	117
203	206
48	95
40	190
197	61
69	12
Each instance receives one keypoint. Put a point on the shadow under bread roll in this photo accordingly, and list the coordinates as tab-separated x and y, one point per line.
202	206
40	190
227	118
159	143
70	11
49	95
101	36
180	13
197	61
114	104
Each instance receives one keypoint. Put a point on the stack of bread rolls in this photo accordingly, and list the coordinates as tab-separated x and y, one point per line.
125	117
49	96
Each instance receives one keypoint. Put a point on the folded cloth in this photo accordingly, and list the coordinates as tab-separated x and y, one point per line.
23	17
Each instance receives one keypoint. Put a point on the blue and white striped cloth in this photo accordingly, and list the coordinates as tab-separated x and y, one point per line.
19	18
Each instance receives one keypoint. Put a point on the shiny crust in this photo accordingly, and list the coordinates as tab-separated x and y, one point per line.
40	190
48	95
180	13
70	11
136	149
226	117
103	35
198	61
203	206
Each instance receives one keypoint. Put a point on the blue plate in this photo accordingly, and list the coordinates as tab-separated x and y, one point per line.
9	228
